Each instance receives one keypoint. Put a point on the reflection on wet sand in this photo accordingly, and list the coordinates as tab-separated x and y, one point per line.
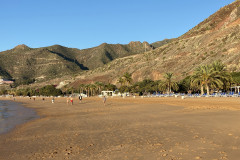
12	114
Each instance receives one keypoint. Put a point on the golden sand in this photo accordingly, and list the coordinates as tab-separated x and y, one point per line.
127	128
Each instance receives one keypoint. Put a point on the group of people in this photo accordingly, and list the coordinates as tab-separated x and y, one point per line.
71	100
80	100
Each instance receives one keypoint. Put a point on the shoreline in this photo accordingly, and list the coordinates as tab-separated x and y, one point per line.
14	114
148	128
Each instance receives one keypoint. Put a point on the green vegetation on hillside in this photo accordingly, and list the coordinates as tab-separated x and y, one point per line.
24	64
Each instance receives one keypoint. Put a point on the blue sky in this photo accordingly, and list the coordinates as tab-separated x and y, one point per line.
88	23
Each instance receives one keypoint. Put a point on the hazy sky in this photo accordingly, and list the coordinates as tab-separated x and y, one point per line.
88	23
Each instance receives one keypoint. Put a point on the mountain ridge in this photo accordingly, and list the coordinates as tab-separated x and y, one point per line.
23	62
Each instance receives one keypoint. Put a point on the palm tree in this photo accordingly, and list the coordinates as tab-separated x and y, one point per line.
168	84
136	87
92	89
99	86
110	87
121	81
71	90
127	78
209	76
81	87
198	79
221	73
87	87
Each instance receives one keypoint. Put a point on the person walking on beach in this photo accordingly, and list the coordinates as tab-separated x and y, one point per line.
67	101
80	98
104	100
71	101
53	100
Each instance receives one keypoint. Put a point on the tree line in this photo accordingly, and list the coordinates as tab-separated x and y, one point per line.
206	79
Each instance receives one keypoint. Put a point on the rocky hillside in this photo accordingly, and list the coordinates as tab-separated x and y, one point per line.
55	61
216	38
161	43
105	53
23	62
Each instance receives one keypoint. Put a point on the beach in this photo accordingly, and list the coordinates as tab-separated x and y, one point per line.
161	128
12	114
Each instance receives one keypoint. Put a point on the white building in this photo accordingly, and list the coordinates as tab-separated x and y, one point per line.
110	93
235	89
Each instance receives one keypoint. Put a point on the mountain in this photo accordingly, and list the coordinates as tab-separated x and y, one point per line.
216	38
23	62
105	53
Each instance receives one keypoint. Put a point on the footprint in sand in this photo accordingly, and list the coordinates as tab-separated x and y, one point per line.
223	155
196	136
164	155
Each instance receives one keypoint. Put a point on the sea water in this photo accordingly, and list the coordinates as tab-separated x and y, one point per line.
12	114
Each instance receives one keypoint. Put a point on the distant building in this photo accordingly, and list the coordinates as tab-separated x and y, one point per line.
110	93
235	89
5	81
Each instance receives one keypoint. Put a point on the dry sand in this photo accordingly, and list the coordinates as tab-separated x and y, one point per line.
127	128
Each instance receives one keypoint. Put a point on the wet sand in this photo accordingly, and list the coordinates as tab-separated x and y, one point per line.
128	128
12	114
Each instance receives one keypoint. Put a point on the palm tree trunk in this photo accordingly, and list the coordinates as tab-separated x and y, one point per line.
169	88
207	87
202	90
